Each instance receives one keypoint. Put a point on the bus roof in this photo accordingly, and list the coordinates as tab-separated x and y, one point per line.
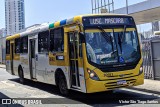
78	19
13	37
46	26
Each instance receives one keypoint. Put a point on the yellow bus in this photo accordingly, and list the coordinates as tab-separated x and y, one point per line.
87	53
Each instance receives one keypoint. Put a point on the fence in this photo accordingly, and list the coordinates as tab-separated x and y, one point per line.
147	62
151	58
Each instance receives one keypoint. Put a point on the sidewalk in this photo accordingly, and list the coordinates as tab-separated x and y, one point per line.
151	86
2	66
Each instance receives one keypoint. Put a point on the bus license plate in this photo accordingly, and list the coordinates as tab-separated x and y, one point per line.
121	82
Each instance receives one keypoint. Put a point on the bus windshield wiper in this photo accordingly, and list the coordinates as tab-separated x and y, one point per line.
120	42
120	38
106	36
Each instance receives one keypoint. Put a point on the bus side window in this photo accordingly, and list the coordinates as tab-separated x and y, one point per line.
24	44
56	40
7	47
51	40
43	42
17	45
81	40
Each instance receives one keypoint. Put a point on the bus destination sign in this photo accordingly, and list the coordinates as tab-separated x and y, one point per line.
107	21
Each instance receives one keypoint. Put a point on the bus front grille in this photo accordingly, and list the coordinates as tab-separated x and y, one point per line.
113	85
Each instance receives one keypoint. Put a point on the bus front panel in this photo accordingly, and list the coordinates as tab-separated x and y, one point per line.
112	53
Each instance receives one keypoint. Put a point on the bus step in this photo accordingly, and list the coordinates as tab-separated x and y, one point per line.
75	87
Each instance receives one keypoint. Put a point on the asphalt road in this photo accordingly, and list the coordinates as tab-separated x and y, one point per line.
10	87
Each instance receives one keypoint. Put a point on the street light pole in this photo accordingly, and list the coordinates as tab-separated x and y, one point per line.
127	6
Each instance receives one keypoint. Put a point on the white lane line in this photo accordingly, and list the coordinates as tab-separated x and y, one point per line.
140	92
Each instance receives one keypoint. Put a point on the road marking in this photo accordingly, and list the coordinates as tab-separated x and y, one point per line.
140	92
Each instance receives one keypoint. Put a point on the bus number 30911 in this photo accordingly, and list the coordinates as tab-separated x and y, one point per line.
108	75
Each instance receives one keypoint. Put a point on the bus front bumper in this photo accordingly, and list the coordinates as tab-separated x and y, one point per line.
93	86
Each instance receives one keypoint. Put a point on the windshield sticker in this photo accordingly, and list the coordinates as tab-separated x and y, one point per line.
121	59
103	56
106	62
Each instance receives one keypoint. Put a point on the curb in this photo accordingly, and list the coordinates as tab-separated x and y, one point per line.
145	90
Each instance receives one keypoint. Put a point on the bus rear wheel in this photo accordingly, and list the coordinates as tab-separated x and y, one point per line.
63	85
21	76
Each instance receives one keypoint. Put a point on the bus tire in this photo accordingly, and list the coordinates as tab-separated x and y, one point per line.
21	75
62	84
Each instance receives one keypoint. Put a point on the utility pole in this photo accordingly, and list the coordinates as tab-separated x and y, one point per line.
127	6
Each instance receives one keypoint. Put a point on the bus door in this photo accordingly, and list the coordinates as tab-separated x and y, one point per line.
12	58
32	60
73	45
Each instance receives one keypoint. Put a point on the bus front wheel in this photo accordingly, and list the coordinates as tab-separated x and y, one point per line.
21	76
63	85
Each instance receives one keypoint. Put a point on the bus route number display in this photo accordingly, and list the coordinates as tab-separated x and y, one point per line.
107	21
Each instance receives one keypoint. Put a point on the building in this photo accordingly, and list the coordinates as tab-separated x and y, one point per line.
2	49
2	32
2	45
14	16
148	34
156	26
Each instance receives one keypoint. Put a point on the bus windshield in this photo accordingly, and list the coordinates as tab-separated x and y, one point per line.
111	46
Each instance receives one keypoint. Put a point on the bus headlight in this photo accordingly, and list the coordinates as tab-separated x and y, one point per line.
92	75
141	70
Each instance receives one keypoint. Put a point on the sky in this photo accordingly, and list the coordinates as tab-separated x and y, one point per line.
41	11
